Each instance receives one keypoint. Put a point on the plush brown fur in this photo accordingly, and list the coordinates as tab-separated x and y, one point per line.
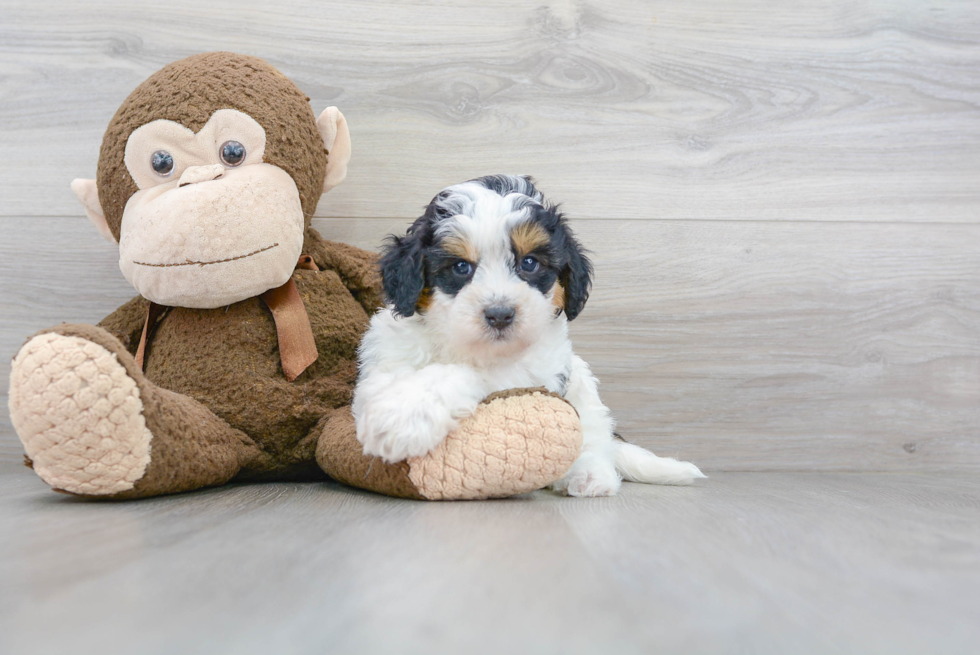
188	92
227	358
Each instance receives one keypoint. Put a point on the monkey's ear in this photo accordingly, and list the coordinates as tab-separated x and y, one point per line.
88	194
336	139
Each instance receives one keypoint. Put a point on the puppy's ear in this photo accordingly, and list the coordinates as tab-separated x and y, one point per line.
576	270
403	268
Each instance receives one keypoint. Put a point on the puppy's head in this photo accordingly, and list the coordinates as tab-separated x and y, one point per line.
487	267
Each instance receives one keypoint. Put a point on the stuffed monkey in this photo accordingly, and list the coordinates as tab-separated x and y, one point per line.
238	359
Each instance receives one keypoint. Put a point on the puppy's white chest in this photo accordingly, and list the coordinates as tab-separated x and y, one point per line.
541	373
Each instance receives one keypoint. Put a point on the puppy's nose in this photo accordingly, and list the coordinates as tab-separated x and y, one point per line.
499	316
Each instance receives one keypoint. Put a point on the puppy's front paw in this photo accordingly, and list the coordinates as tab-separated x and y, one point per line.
590	475
395	428
401	415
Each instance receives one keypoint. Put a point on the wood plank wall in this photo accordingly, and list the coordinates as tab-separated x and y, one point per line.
783	199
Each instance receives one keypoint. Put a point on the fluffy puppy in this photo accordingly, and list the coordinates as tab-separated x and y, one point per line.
480	291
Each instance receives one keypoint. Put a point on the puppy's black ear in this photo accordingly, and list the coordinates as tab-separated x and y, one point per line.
576	270
403	267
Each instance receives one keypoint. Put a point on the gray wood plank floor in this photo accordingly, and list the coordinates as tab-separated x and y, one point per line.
743	563
711	109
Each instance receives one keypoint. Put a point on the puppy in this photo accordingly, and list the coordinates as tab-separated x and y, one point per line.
480	291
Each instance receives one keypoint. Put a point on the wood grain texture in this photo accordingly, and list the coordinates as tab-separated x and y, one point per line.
741	563
834	110
738	345
773	345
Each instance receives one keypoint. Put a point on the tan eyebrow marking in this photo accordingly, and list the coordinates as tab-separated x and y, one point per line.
528	237
459	247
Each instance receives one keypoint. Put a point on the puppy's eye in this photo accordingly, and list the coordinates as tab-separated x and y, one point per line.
530	264
232	153
462	268
162	163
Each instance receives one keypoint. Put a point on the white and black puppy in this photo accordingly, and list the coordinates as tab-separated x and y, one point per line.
480	291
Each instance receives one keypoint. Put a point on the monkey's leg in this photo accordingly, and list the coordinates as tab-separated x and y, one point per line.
517	441
93	425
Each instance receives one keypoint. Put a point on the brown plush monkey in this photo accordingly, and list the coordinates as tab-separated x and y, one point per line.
238	359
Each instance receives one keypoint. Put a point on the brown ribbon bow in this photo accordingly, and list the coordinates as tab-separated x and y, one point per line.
297	347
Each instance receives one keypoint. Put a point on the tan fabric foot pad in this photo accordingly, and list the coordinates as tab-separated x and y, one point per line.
79	415
512	445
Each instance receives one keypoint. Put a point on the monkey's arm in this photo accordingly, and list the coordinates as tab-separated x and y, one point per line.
126	323
357	268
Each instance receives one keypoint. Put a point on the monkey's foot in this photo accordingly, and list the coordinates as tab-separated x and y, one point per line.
79	415
516	441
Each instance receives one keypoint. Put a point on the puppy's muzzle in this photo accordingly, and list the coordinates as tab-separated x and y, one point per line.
499	316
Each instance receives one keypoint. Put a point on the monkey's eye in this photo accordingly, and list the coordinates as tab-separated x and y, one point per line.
162	162
232	153
530	264
462	268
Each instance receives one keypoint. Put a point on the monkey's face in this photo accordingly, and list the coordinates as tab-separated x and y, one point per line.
211	224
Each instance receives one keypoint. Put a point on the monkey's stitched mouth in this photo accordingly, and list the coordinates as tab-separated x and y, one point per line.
217	261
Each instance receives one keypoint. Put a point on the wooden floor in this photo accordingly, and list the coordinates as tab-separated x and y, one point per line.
742	563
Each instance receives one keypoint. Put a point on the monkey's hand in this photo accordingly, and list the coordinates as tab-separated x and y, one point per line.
357	268
126	323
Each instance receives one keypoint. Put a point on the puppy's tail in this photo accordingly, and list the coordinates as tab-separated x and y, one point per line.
638	465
